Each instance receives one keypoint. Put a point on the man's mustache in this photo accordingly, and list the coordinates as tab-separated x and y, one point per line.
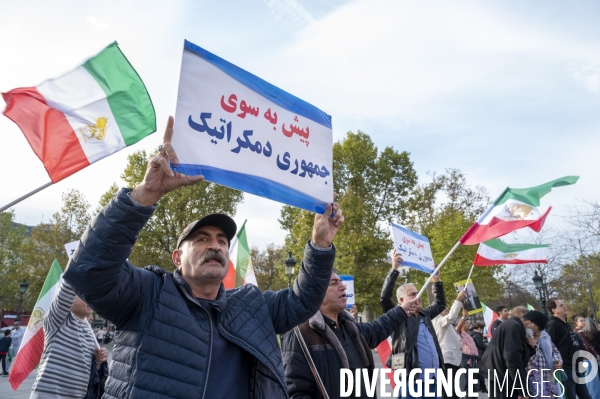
212	254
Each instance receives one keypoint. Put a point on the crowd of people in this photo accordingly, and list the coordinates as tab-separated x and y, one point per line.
180	334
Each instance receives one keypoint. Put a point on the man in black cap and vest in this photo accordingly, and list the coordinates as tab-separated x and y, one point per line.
180	334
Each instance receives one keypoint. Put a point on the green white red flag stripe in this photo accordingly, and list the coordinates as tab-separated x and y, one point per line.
32	346
489	316
497	252
85	115
240	270
514	209
529	307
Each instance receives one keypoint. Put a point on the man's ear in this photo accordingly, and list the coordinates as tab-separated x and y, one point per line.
176	258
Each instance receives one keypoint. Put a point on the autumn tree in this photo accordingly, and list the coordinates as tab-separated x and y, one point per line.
373	189
175	211
269	267
11	271
47	241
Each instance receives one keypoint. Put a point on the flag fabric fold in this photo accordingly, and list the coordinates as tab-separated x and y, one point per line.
85	115
489	316
32	346
240	270
497	252
514	209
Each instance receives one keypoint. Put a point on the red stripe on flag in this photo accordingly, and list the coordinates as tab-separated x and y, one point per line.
48	132
481	261
497	227
229	280
27	359
384	350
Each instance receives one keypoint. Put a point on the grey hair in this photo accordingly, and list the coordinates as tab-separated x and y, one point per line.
401	291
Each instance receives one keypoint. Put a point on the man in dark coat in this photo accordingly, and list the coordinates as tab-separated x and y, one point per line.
415	343
336	341
566	341
180	334
507	355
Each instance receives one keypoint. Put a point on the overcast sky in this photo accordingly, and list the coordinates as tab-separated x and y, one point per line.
508	92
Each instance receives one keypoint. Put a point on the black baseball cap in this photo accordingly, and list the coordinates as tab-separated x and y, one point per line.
219	220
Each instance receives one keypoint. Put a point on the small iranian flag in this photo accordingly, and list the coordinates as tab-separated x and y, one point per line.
514	209
85	115
529	307
240	271
497	252
384	350
32	345
489	316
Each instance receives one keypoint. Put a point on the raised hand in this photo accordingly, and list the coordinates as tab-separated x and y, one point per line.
325	228
159	178
461	295
396	260
410	305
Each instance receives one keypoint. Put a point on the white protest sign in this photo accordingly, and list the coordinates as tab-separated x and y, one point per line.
414	249
70	248
242	132
349	282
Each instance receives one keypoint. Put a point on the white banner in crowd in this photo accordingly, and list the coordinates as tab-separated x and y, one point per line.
414	249
349	282
70	248
242	132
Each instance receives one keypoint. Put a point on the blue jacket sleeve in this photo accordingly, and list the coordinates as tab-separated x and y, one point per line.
293	306
99	271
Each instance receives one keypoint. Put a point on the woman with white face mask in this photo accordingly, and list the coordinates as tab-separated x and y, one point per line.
545	360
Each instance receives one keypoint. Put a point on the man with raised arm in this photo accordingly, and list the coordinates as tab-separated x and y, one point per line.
180	334
414	343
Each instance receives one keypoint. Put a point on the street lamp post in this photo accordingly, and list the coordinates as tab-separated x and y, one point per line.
510	289
22	289
538	281
290	264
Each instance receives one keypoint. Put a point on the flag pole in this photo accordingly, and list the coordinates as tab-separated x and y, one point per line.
471	272
37	190
438	269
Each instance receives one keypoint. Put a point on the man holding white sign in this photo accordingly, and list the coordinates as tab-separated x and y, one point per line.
414	344
180	334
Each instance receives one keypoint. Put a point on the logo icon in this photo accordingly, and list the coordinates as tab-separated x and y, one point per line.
97	131
586	367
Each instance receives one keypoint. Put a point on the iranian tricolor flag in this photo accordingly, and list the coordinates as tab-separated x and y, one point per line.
529	307
32	345
85	115
497	252
514	209
489	316
240	271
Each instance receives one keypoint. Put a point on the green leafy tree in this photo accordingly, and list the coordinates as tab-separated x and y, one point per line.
11	272
443	210
47	241
373	189
175	210
269	267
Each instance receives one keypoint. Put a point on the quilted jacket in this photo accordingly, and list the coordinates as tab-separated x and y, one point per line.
163	341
